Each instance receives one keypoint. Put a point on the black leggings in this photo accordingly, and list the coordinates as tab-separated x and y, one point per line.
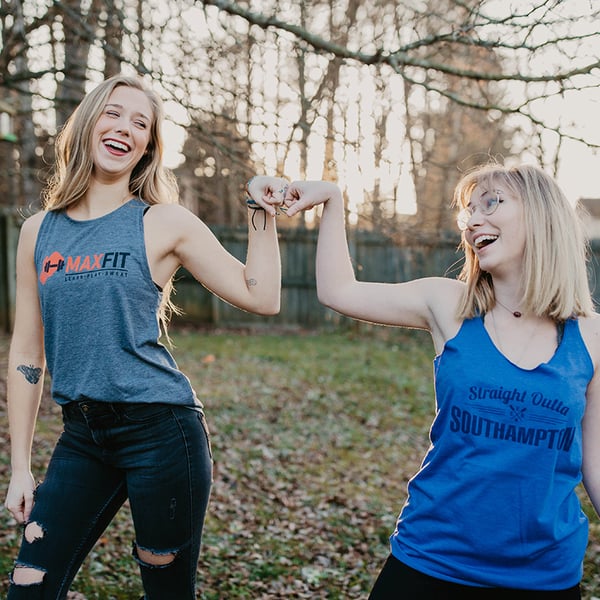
397	581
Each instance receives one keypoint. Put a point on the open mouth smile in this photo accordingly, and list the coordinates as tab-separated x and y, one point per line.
484	240
116	145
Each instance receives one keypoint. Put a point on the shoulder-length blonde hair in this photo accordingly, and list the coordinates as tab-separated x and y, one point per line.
555	279
73	164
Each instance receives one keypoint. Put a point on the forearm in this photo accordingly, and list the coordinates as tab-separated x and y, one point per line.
262	271
334	269
24	391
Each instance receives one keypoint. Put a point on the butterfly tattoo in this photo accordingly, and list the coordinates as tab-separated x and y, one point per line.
32	374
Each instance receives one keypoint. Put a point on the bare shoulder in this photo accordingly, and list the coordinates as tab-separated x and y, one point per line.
445	285
590	327
31	227
590	331
443	296
171	223
169	213
34	221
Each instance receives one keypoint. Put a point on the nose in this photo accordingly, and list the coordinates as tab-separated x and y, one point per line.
476	217
122	127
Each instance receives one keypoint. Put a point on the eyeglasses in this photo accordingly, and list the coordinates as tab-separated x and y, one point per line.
487	206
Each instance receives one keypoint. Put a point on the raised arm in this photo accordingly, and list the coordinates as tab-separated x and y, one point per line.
175	237
26	365
416	303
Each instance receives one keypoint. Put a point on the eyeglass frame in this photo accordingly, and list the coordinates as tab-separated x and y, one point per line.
465	214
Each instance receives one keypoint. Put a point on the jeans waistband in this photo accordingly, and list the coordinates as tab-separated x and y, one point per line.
95	408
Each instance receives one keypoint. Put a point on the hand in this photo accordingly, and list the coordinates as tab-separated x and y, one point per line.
304	195
19	498
268	192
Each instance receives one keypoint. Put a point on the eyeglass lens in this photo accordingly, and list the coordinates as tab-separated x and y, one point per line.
487	205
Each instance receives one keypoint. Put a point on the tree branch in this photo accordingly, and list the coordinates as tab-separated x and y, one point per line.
398	59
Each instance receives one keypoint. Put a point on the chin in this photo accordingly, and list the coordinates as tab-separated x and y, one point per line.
486	265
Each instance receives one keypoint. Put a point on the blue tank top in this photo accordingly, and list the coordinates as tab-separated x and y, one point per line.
494	502
100	312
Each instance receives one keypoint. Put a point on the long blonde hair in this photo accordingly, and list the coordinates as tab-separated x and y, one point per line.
555	278
73	164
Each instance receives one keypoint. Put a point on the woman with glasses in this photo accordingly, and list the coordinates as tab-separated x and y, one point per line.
493	511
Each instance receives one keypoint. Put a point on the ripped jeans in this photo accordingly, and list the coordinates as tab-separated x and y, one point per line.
157	456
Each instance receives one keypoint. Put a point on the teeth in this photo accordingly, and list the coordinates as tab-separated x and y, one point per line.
484	239
117	145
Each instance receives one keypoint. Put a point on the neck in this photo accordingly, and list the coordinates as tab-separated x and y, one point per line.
101	199
515	311
108	193
508	294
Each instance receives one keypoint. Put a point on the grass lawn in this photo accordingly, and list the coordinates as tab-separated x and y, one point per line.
314	437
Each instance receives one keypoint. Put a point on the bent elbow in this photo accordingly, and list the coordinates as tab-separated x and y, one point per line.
269	309
271	312
327	298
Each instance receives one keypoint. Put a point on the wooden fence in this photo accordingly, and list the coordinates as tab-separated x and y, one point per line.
372	254
375	258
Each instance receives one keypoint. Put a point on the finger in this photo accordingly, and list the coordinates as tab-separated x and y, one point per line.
260	202
294	190
277	193
17	513
297	206
267	205
28	507
291	201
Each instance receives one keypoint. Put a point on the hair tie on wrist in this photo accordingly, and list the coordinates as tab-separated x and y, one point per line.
254	206
251	203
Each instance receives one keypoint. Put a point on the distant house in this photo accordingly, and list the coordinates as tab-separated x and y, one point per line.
7	112
591	216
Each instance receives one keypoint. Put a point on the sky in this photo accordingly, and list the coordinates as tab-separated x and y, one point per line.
578	166
579	112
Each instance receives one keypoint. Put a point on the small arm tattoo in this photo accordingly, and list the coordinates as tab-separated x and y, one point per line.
251	281
32	374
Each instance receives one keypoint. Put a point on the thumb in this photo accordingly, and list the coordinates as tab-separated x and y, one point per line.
293	209
27	507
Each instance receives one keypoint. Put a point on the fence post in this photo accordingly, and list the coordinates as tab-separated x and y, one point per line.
9	233
4	257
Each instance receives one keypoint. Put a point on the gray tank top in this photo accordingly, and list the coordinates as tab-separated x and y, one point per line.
100	312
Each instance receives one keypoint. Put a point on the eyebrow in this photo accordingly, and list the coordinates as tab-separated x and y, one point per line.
139	114
470	202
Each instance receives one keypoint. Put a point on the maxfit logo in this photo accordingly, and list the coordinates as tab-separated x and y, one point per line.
52	264
106	261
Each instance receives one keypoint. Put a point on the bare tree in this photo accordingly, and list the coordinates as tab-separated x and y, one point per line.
557	36
292	81
48	55
472	78
448	137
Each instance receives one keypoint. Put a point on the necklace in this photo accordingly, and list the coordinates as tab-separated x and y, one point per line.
515	313
517	358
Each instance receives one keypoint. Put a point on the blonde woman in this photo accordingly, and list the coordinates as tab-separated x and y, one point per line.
94	273
493	511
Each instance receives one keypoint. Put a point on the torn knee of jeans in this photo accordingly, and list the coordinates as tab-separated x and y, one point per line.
26	575
33	532
153	559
